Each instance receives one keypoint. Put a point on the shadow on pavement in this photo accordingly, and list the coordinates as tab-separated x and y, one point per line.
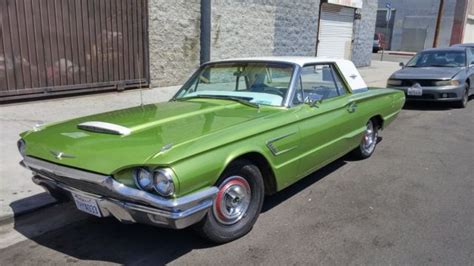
428	106
273	200
107	240
32	203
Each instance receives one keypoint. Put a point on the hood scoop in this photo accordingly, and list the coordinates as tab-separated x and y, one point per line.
104	127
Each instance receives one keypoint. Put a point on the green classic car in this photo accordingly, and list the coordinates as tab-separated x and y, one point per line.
236	131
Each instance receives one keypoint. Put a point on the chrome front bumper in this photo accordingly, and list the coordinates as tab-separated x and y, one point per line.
128	205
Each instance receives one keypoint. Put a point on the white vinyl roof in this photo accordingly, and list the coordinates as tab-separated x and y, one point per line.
299	60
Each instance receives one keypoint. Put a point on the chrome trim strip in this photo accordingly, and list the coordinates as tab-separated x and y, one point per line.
173	204
275	150
104	127
288	101
36	164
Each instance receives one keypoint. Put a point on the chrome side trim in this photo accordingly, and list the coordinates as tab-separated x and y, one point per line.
104	127
274	149
172	204
36	164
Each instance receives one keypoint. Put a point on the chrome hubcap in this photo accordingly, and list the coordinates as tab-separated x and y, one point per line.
370	139
232	200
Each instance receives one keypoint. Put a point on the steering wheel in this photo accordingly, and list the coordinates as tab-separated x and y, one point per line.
273	91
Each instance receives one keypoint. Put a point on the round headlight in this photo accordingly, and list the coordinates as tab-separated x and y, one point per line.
21	147
163	179
143	179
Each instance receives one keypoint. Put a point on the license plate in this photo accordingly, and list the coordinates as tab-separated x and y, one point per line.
87	205
414	91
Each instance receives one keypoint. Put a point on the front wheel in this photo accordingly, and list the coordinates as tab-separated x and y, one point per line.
463	102
367	146
237	205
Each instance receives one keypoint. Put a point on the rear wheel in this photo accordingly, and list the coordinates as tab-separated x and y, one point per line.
237	205
367	146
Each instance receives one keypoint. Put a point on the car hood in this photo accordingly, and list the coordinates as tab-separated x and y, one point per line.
426	73
154	129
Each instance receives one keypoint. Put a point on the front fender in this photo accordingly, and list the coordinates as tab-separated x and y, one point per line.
204	170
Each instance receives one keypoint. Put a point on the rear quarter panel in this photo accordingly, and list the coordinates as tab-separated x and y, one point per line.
388	103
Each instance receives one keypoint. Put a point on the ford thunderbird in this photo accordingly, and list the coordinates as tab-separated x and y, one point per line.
236	131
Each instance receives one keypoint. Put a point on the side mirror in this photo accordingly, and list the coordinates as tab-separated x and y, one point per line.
401	64
312	99
472	63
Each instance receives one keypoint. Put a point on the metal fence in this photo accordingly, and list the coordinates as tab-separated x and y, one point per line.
70	46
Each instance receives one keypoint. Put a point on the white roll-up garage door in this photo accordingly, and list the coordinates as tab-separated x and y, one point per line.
335	31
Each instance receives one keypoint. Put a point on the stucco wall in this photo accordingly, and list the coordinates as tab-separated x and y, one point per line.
263	27
174	40
240	28
364	30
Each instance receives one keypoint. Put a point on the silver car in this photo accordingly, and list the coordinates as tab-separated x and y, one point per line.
437	75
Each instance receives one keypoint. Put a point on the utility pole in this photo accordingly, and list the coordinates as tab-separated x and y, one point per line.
438	23
388	16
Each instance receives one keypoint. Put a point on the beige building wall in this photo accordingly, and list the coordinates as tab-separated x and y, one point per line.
174	32
469	28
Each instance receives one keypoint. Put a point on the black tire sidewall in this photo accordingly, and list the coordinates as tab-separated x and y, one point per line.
217	232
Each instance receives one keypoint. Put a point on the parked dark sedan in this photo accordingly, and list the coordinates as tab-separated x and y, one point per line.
437	75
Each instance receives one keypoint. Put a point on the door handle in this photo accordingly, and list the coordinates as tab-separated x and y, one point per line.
352	107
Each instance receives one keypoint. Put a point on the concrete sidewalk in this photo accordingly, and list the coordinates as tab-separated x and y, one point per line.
18	194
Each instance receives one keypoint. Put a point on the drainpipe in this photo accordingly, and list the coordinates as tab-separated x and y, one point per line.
205	41
438	23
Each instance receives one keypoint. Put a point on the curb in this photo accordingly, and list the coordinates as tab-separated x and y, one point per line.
10	218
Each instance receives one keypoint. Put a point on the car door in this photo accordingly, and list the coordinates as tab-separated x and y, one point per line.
325	128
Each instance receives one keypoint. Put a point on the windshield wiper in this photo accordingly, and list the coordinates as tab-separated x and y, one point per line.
222	97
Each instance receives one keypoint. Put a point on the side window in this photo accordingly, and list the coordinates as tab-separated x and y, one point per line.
340	84
319	80
470	56
299	95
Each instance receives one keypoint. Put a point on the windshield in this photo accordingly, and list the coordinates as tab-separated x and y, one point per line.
258	83
438	59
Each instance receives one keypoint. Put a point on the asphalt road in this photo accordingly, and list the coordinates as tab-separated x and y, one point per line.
411	204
